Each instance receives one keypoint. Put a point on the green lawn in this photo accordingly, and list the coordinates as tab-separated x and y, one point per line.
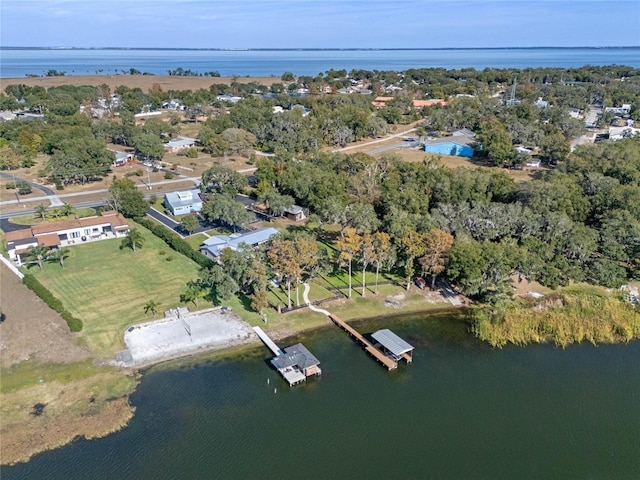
34	219
108	287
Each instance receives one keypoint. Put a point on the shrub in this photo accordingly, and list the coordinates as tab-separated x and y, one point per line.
10	185
192	153
168	175
32	283
23	188
174	241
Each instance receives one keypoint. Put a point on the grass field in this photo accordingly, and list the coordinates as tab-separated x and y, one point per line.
108	287
454	162
34	219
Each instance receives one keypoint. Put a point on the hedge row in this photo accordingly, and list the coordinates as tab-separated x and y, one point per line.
75	324
174	241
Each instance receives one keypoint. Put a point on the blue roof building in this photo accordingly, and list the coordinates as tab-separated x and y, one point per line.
181	203
458	145
213	246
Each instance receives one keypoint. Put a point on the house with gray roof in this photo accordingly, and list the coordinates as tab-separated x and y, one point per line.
182	203
213	246
180	143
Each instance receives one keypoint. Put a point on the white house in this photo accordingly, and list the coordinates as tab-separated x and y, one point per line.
180	143
181	203
213	246
66	232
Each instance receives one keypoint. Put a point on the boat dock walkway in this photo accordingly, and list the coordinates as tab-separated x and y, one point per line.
373	351
267	341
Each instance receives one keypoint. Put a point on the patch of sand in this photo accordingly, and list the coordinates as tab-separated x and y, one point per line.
144	82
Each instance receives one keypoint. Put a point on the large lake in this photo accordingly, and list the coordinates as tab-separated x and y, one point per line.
462	410
264	63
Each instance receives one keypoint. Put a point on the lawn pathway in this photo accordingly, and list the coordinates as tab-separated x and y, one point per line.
305	297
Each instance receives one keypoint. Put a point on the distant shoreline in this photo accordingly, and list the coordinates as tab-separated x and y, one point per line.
294	49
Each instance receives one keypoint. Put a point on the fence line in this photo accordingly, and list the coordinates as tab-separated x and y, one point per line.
12	267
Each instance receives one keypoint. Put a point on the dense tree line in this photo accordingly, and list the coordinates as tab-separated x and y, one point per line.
579	222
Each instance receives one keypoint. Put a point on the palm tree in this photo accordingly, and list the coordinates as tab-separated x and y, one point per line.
59	255
66	210
151	306
38	254
194	293
41	211
133	240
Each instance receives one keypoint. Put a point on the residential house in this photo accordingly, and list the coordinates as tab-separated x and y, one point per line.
625	109
213	246
618	133
66	232
295	213
182	203
227	97
380	102
179	144
458	145
121	158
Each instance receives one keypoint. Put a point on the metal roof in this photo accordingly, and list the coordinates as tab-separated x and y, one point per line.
391	342
183	199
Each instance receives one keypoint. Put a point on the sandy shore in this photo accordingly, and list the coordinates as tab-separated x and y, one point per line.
144	82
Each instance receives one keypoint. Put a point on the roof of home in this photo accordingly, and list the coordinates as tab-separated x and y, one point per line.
181	142
183	198
17	235
116	220
296	355
216	243
294	210
49	240
391	342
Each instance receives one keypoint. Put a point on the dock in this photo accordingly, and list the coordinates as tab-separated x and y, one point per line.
267	341
295	363
368	346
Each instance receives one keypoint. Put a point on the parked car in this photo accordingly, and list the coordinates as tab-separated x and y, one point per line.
420	283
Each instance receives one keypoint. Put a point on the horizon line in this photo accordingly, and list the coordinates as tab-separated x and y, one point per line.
18	47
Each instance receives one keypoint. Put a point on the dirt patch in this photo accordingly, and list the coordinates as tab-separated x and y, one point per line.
50	414
31	329
144	82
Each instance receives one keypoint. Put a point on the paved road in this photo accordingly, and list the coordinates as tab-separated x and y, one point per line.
52	196
372	142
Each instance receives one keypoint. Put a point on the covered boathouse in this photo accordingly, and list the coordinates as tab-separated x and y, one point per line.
392	345
296	363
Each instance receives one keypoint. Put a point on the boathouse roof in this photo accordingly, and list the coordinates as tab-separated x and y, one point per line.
391	342
296	355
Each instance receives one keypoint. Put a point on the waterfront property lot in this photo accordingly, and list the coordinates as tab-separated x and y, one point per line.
108	287
170	337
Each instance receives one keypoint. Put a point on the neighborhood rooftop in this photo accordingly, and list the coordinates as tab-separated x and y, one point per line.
214	245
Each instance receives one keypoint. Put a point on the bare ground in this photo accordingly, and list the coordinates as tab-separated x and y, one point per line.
33	333
31	330
144	82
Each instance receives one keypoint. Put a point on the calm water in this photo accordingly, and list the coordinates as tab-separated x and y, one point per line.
18	63
461	410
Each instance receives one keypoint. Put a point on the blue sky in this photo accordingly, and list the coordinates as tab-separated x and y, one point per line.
318	24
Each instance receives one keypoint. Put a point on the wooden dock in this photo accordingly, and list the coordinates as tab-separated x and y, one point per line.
368	346
267	341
